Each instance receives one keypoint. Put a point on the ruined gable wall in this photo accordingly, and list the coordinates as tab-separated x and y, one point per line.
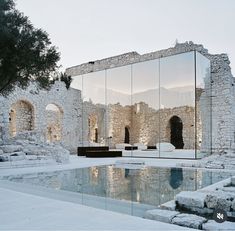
68	100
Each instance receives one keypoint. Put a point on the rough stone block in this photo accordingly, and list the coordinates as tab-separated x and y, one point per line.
212	225
191	199
201	211
219	200
18	156
15	156
161	215
229	189
188	220
233	181
170	205
233	205
11	148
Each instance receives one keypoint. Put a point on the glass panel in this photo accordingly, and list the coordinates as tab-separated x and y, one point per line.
177	106
203	106
77	82
119	106
119	128
145	114
94	109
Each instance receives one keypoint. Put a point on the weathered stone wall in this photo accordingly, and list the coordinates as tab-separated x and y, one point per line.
54	118
69	101
149	126
21	117
219	91
119	118
97	111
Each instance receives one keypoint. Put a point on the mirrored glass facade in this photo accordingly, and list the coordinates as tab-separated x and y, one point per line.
155	105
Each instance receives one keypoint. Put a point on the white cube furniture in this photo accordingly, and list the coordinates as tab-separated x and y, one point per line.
122	146
140	146
165	147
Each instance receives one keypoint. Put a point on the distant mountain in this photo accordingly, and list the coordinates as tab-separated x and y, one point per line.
171	97
168	97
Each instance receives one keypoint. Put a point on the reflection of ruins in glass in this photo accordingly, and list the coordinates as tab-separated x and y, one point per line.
150	102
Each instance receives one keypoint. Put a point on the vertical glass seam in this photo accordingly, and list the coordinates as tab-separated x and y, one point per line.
195	102
211	104
82	114
159	105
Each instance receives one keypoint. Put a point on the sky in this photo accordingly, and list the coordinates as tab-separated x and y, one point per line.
87	30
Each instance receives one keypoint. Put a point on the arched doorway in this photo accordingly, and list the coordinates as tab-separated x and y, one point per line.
93	134
127	136
54	118
96	135
21	117
176	132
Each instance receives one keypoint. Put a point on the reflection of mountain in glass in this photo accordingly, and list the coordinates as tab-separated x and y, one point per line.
172	97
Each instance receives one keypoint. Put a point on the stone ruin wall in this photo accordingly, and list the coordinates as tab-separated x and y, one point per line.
145	123
223	104
220	98
119	118
28	108
97	112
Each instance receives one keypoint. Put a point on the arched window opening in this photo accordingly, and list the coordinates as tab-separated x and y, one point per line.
93	133
21	117
54	118
176	132
127	135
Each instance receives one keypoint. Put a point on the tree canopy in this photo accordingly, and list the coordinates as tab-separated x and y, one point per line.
26	53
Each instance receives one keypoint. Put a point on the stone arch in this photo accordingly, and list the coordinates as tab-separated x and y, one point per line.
93	134
21	117
174	132
54	121
127	135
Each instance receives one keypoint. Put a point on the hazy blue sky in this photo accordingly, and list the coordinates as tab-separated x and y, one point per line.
95	29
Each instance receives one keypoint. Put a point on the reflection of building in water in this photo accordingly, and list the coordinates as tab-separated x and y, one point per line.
176	177
152	186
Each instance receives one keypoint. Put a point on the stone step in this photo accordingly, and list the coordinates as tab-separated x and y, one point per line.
175	217
212	225
191	199
233	181
205	202
170	205
189	220
161	215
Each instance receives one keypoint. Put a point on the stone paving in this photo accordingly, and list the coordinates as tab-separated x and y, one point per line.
195	209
